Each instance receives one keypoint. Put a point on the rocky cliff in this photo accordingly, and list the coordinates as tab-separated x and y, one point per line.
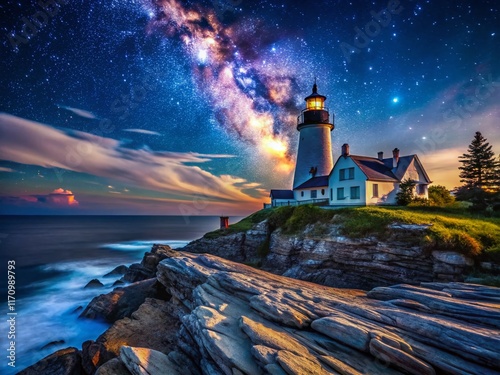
332	259
220	317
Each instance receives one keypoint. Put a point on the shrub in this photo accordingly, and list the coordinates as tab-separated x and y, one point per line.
405	195
440	196
419	202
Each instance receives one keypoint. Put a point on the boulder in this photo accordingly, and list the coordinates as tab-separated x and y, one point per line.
122	302
52	344
148	266
452	258
63	362
143	361
137	272
113	367
117	271
94	283
153	325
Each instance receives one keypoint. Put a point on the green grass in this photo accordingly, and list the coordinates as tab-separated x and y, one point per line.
452	228
449	230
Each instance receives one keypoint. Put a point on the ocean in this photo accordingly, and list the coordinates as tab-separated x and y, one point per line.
54	258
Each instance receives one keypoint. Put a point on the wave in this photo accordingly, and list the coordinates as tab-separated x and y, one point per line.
49	314
143	245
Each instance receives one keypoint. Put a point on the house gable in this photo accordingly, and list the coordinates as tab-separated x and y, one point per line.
347	183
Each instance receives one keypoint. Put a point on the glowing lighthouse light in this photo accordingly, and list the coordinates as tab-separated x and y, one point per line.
315	102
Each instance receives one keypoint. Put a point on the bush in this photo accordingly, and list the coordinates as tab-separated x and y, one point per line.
419	202
440	196
405	195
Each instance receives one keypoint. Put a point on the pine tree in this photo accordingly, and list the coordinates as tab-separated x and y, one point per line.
479	166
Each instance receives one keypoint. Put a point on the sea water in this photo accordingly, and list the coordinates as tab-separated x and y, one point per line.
55	257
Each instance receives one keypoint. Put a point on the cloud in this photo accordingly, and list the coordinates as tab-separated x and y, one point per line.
141	131
79	112
4	169
176	174
59	198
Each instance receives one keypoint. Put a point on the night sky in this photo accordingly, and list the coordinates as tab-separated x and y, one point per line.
190	107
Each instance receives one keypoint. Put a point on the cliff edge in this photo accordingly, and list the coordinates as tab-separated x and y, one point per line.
357	248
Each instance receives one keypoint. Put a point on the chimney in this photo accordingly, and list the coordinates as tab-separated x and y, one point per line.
395	157
345	150
381	155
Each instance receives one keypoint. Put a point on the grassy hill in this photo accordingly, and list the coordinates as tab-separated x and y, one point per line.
450	228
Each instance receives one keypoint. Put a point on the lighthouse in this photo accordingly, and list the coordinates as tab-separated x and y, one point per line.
314	157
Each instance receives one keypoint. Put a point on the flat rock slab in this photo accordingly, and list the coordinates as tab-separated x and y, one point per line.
240	320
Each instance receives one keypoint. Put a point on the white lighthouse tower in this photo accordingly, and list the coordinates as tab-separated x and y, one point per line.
314	157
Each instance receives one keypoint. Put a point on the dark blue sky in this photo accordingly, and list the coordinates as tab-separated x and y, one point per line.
190	107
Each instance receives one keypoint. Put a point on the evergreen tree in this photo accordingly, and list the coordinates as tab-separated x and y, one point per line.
406	192
479	166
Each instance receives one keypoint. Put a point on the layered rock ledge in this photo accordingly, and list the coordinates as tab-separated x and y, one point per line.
331	259
228	318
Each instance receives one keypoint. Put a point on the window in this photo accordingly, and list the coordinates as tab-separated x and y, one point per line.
375	190
301	193
314	194
355	192
340	194
346	174
331	194
421	189
322	191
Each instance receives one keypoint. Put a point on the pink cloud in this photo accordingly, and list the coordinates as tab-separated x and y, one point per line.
57	198
62	197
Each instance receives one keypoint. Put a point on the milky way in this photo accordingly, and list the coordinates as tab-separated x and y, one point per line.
252	99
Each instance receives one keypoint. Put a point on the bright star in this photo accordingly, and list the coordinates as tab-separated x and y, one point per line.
395	100
202	56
